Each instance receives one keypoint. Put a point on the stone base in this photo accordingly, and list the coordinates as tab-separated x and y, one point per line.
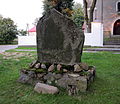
73	78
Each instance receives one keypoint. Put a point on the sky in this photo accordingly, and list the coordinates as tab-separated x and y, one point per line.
23	12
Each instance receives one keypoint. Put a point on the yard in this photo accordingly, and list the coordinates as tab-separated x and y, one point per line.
104	90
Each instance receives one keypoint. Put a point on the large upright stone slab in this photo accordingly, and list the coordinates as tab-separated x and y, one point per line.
58	39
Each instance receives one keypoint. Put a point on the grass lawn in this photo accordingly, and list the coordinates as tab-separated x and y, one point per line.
105	89
27	47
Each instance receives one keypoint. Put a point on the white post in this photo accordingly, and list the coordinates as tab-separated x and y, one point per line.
97	34
95	38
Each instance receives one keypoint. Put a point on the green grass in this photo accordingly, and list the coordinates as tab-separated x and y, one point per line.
104	90
27	47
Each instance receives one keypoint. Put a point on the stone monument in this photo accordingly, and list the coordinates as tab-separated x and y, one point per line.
59	40
59	48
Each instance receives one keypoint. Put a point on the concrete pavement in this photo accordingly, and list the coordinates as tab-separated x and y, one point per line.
3	48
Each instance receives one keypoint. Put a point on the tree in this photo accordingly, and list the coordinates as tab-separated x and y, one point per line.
63	6
8	30
78	15
35	21
89	19
22	32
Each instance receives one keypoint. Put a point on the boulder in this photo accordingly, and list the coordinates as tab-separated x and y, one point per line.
46	89
79	82
59	40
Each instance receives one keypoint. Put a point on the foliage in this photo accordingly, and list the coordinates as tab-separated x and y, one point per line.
8	30
63	6
104	90
35	21
78	15
22	32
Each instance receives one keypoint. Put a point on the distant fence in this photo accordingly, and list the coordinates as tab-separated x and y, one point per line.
27	40
92	39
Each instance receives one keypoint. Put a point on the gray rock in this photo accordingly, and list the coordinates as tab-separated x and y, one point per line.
84	66
33	64
72	90
51	68
43	66
59	67
37	66
59	40
49	78
92	70
40	75
45	89
73	75
63	82
26	77
57	76
77	68
23	78
65	70
31	74
80	82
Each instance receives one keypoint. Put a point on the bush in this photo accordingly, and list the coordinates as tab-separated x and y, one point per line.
8	30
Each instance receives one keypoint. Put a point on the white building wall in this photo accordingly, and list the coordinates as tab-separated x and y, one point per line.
26	40
95	38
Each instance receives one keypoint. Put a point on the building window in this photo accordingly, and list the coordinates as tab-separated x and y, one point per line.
118	7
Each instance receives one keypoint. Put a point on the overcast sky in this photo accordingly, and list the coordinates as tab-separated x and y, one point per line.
23	11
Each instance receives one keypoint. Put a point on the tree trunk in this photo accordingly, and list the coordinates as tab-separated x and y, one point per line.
85	11
91	12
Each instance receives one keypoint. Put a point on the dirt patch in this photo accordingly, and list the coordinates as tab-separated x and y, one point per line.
16	55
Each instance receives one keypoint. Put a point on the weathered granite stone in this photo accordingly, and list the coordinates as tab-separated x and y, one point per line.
84	66
37	66
33	64
43	66
77	68
40	75
74	80
51	68
57	76
26	77
81	84
65	70
45	89
59	40
73	75
59	67
72	90
49	78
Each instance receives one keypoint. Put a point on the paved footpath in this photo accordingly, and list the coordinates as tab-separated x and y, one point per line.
103	49
3	48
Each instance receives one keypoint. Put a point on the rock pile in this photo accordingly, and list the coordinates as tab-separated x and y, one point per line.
74	78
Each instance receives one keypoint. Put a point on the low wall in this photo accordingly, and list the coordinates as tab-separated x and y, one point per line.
95	38
26	40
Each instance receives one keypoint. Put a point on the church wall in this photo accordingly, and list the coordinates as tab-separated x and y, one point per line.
108	15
